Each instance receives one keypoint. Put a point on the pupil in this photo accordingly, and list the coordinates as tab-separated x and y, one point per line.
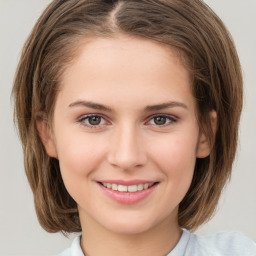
160	120
94	120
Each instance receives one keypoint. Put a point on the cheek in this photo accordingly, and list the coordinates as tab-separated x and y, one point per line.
175	150
176	157
78	154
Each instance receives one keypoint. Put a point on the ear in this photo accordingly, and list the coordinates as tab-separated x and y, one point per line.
46	135
204	146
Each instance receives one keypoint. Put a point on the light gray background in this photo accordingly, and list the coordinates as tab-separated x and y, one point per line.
20	233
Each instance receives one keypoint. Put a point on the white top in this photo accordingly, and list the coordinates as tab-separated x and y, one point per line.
219	244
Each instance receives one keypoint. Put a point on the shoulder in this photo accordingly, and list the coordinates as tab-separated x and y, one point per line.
67	252
223	244
74	250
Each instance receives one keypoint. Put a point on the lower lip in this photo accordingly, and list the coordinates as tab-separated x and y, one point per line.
128	197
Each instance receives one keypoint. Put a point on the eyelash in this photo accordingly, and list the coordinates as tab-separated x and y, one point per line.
171	121
84	118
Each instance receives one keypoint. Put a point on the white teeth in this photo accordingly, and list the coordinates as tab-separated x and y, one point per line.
140	187
145	186
114	187
131	188
122	188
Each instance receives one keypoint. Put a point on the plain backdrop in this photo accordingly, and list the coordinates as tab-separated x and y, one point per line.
20	232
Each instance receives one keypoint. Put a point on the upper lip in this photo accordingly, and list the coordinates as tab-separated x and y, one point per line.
127	182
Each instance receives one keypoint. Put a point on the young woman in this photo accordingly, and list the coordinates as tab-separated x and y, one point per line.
128	112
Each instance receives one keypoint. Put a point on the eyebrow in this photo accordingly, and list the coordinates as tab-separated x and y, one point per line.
150	108
162	106
90	104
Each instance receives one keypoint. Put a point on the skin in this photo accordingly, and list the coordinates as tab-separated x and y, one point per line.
126	75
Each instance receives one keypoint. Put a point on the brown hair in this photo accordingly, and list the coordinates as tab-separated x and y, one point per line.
192	28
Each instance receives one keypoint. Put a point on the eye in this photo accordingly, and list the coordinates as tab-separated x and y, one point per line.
162	120
92	120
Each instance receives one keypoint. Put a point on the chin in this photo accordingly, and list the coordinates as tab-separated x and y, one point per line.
130	225
129	228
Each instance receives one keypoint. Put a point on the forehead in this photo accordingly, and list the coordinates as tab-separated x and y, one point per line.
125	67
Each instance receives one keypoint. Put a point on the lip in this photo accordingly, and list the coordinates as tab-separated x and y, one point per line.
127	182
127	197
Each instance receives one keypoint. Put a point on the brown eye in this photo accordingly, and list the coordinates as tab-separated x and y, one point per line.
94	120
160	120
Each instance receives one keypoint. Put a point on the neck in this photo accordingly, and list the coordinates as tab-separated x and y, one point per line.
159	240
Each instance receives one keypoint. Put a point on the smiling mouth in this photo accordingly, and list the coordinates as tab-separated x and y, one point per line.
130	188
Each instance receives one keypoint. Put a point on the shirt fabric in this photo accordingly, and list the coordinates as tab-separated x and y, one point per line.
219	244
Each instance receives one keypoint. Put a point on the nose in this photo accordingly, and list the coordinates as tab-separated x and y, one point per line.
127	150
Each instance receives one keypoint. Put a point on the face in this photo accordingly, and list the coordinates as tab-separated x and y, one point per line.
125	133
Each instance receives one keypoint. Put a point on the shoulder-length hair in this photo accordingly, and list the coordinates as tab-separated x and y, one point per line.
189	27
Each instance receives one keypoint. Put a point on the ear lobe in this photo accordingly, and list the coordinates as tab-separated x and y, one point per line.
46	136
204	145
